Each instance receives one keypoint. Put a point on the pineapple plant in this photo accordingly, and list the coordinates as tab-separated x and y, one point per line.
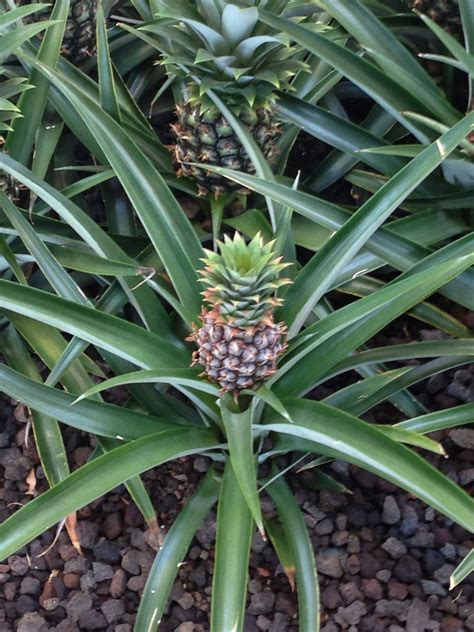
220	46
238	341
443	12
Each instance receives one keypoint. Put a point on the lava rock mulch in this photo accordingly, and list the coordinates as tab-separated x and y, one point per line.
384	558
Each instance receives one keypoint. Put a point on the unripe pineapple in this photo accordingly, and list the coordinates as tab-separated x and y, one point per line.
79	41
238	341
222	47
208	137
443	12
10	186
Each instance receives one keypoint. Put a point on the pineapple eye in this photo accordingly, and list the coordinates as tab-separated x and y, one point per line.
249	354
216	333
235	348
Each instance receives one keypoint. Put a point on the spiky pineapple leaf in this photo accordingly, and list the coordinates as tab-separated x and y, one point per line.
97	478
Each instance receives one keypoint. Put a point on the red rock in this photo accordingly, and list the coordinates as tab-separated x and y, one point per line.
397	590
451	624
372	589
71	581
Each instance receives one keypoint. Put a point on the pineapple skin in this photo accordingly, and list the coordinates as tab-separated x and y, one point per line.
79	41
209	138
80	35
444	12
10	186
238	357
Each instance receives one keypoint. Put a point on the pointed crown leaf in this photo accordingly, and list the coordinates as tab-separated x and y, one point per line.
242	278
226	48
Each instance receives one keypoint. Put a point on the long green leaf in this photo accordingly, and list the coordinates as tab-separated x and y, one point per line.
97	478
451	43
404	379
171	554
49	345
84	226
463	570
125	339
440	420
238	429
9	256
17	37
108	96
178	377
326	343
32	103
8	18
233	539
340	435
370	32
302	553
57	276
391	56
425	349
95	417
338	132
382	88
48	437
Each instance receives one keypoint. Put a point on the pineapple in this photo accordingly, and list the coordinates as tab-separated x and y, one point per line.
222	47
10	186
238	341
443	12
79	41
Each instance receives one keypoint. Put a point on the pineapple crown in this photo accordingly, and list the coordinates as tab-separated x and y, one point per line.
242	279
226	49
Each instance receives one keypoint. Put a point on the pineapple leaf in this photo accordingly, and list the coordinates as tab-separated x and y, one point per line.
238	24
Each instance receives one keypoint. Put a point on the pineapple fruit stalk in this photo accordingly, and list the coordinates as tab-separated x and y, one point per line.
222	47
238	341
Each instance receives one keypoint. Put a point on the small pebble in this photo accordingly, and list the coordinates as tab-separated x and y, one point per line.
113	610
391	511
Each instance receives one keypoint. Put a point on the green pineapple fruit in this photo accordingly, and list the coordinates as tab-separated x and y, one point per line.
219	46
238	341
443	12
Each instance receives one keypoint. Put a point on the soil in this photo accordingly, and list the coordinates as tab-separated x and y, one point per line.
384	558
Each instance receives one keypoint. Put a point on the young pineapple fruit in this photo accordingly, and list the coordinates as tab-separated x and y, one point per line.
79	41
238	341
443	12
222	47
10	186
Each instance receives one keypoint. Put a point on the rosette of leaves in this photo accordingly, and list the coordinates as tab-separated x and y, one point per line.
222	47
